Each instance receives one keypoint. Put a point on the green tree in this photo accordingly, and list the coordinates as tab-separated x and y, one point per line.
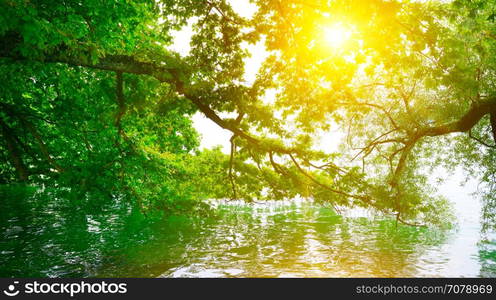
93	99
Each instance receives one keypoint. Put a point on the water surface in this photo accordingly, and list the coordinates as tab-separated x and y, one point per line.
308	241
50	238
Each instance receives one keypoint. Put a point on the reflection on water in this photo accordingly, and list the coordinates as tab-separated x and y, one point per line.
307	241
39	238
297	241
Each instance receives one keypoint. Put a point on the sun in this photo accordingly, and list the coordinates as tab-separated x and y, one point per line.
336	35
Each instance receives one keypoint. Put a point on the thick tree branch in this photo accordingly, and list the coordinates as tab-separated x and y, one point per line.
463	124
160	71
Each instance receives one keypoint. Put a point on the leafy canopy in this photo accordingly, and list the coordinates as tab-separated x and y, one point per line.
96	105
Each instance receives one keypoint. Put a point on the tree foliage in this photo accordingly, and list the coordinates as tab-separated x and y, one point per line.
94	101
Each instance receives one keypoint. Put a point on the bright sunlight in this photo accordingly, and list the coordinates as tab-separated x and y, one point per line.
336	35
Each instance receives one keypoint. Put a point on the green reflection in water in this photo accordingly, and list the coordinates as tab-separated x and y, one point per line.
286	242
487	258
48	236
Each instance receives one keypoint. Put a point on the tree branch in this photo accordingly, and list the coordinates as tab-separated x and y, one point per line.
163	72
480	141
15	156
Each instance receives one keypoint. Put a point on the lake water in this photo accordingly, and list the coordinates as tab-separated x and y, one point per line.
306	241
277	239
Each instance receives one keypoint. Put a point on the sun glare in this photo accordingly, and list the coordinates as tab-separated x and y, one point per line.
336	35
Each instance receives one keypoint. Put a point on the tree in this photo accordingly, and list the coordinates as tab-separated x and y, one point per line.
413	74
409	75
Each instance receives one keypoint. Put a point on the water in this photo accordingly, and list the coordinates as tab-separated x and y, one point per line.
304	241
45	238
